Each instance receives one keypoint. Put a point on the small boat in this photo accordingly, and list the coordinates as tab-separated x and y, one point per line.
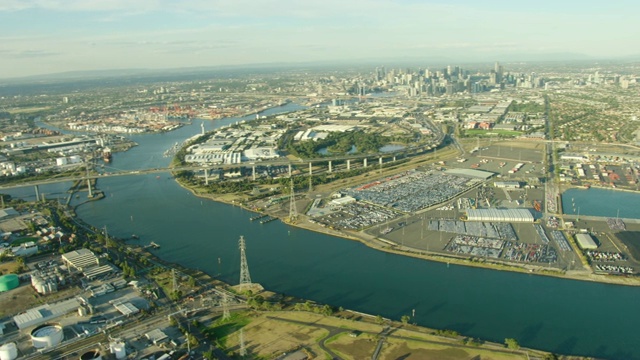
135	237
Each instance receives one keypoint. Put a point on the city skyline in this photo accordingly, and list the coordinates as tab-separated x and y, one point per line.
51	36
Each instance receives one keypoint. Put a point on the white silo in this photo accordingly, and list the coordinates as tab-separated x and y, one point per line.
8	351
118	349
47	335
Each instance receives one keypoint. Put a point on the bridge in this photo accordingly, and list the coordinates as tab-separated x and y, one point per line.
327	161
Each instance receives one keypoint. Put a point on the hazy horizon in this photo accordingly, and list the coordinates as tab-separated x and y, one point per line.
56	36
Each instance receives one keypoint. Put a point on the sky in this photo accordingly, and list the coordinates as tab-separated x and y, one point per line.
51	36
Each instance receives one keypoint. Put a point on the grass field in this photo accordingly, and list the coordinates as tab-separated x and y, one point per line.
267	335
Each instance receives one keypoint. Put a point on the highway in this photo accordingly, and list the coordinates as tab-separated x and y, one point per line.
408	152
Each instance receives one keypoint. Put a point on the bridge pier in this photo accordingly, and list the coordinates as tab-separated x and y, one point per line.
348	164
380	160
310	169
37	193
89	187
253	172
364	162
206	176
289	170
330	168
394	158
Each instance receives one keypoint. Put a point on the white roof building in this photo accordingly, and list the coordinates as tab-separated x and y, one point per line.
500	215
586	242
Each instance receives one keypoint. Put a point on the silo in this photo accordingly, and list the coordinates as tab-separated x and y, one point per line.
47	335
91	355
9	282
8	351
118	349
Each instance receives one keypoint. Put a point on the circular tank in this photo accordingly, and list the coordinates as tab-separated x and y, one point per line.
47	335
8	351
91	355
8	282
118	350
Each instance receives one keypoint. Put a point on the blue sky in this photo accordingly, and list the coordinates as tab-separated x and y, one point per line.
48	36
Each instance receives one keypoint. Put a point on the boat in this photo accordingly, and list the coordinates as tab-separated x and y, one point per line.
135	237
106	155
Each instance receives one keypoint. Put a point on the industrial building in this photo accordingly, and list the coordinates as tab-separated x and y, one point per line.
500	215
507	184
586	242
41	314
84	260
478	174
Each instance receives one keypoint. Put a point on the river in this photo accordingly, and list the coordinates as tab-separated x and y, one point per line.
601	202
558	315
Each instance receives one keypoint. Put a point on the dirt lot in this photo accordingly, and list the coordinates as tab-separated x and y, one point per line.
270	334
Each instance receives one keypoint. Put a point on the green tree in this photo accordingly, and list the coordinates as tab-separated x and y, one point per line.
511	343
405	319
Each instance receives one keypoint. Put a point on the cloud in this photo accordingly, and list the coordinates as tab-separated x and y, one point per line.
28	53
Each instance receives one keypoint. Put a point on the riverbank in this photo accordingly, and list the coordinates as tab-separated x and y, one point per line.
390	247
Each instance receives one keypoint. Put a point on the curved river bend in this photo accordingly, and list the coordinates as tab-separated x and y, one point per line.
558	315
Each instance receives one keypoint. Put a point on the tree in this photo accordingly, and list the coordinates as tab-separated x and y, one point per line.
405	319
511	343
379	319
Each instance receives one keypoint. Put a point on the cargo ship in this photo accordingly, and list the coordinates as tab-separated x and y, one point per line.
106	155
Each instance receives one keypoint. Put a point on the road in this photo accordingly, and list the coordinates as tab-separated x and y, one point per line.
408	152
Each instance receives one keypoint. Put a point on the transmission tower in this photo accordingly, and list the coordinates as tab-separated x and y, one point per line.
243	350
293	212
245	278
225	307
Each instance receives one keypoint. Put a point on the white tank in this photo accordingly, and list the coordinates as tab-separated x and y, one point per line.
8	351
47	335
118	349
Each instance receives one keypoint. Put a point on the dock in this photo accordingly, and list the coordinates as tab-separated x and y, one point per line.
268	220
153	244
257	217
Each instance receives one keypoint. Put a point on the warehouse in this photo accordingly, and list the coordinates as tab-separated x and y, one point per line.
507	184
472	173
41	314
500	215
80	259
586	242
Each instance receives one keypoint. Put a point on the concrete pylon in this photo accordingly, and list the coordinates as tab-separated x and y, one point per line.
289	170
310	169
348	164
89	187
253	172
330	168
37	193
364	163
380	160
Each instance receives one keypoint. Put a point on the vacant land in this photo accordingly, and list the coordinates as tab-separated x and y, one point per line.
267	335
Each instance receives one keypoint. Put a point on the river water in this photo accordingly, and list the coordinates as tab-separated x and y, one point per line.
558	315
601	202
